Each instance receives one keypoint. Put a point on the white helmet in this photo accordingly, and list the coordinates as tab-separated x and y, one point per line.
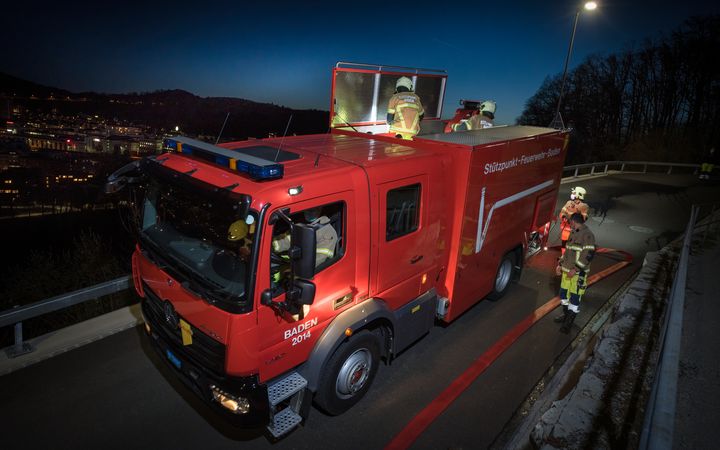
578	192
404	82
488	106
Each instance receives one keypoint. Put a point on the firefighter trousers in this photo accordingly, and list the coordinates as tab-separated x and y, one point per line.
572	289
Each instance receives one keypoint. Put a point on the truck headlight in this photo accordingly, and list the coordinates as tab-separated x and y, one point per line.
236	405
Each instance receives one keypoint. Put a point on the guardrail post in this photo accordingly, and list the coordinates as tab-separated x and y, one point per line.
622	168
20	347
606	168
644	168
592	170
576	172
669	170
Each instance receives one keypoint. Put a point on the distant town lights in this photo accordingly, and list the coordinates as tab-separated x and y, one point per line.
590	6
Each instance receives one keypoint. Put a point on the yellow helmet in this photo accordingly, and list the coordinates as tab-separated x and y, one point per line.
237	230
579	192
404	82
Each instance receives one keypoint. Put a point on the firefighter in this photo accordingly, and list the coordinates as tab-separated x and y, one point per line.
325	236
573	267
574	205
484	119
708	165
405	111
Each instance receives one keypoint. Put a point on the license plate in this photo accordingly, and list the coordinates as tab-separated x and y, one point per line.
173	359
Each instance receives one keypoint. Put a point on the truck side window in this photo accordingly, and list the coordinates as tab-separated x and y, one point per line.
403	211
328	222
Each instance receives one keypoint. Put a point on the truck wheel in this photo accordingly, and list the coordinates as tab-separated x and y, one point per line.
349	373
503	276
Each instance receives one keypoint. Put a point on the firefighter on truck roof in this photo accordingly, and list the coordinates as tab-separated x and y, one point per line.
573	267
405	111
483	119
574	205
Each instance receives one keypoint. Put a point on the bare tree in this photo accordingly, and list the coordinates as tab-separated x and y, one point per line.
660	100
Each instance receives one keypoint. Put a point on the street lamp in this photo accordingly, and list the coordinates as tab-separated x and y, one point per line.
588	6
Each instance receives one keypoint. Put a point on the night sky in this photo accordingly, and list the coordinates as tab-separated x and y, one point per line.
282	52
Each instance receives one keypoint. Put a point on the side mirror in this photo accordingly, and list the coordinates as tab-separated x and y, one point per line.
122	177
303	255
266	297
302	292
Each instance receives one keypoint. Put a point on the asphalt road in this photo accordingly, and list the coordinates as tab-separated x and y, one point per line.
116	393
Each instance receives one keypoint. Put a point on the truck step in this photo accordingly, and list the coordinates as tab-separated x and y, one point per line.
285	388
283	422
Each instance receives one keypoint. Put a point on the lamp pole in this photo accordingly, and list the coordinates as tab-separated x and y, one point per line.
588	6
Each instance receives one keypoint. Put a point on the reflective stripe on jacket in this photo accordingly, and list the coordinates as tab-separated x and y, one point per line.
407	109
579	250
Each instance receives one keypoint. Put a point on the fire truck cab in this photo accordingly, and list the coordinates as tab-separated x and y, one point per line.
280	271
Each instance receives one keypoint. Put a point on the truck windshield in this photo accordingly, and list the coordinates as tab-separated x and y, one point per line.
206	238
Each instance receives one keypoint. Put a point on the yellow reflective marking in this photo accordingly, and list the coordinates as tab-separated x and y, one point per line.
186	332
415	309
233	164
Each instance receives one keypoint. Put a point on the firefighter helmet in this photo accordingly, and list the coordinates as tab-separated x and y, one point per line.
237	230
404	82
579	192
488	106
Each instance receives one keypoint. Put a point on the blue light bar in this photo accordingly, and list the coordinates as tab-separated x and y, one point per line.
256	168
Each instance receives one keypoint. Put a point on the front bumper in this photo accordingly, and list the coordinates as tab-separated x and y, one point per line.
199	380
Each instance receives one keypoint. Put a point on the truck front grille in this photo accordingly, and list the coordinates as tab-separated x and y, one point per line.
204	351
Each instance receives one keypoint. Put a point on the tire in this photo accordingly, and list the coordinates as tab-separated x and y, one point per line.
349	373
503	277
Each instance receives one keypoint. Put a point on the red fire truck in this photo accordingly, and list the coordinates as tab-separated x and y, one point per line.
382	239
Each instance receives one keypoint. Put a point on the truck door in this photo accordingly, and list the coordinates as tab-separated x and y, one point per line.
405	254
286	339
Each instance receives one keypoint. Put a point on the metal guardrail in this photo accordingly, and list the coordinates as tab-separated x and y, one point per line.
16	315
657	432
19	313
625	166
659	423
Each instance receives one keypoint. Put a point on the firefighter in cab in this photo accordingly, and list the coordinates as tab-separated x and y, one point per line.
574	267
484	119
325	234
576	204
405	111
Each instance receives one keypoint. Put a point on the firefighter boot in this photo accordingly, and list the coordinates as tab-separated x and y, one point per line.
561	317
569	319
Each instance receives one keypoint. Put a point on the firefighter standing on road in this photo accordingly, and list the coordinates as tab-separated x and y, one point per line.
574	267
574	205
405	111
